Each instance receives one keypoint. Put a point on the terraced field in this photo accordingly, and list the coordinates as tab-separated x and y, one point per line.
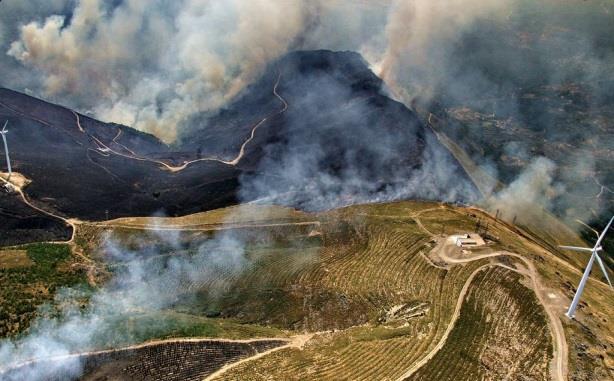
362	285
365	265
487	344
172	361
375	350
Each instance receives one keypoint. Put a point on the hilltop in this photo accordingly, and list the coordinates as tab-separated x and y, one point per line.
316	130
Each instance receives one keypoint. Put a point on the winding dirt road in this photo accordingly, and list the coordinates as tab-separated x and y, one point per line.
560	349
203	227
444	338
556	327
72	222
102	147
105	150
68	221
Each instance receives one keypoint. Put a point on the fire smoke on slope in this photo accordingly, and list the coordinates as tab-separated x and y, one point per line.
148	281
152	65
341	141
148	65
491	57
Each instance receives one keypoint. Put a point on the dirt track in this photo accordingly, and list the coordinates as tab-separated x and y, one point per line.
444	338
203	227
104	148
67	221
297	342
560	368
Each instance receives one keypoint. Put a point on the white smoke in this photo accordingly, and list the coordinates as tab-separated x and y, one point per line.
144	284
534	187
150	66
418	38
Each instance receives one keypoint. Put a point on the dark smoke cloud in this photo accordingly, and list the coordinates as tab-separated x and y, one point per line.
486	55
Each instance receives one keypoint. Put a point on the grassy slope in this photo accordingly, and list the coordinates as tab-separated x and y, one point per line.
488	344
25	288
366	260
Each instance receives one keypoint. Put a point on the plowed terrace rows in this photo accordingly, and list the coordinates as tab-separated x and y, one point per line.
366	271
340	284
494	345
187	360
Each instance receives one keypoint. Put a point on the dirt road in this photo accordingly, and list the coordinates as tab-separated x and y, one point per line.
556	327
102	147
203	227
297	342
560	349
67	221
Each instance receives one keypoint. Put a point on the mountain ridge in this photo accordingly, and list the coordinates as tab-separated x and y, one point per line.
338	140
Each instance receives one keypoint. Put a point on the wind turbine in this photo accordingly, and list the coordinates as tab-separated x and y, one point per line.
574	303
6	152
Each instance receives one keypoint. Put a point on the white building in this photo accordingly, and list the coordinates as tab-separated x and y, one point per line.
468	240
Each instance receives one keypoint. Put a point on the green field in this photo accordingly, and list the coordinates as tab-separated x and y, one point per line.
24	289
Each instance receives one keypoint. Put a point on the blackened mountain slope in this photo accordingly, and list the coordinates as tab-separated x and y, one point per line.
209	132
75	176
327	135
341	139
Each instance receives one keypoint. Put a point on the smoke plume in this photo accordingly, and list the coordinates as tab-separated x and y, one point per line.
153	64
419	35
150	66
534	186
147	280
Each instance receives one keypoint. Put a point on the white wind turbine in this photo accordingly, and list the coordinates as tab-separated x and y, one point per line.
574	303
6	152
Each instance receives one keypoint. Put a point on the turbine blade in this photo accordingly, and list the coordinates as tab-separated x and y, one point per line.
604	231
575	248
605	272
4	127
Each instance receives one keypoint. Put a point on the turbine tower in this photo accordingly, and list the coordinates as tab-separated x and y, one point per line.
6	151
574	303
